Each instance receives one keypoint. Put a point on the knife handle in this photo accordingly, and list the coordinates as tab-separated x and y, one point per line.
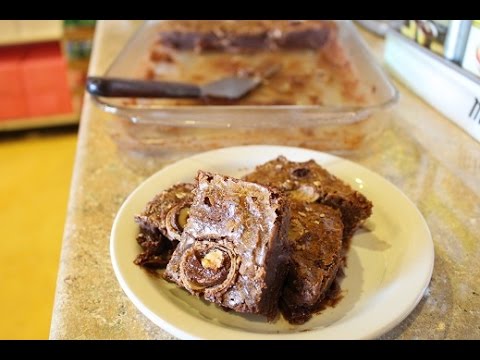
113	87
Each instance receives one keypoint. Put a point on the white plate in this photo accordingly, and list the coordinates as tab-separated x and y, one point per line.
388	268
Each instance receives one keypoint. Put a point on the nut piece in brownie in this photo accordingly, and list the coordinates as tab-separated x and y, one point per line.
315	239
234	249
312	183
247	35
161	225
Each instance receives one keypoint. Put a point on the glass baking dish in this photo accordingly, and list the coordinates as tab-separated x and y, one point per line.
335	125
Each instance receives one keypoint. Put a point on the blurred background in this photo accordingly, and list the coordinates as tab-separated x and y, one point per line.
43	65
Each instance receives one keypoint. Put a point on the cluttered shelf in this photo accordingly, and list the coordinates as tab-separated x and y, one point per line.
450	64
43	66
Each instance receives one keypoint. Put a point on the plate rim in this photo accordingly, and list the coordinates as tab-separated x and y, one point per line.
183	334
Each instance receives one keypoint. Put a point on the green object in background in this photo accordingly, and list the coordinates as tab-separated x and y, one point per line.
78	38
78	49
79	22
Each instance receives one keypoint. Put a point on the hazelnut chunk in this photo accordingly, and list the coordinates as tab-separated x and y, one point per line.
213	260
305	193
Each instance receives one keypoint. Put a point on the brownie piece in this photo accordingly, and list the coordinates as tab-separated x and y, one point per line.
161	225
163	214
312	183
246	35
157	250
234	249
315	240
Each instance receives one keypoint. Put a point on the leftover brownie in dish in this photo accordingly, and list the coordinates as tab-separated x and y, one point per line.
234	250
246	35
312	183
315	69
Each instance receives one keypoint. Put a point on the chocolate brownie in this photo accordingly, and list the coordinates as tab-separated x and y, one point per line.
312	183
246	35
161	225
234	249
164	212
315	239
157	250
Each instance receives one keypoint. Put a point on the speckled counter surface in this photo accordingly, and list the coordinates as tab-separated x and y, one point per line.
432	161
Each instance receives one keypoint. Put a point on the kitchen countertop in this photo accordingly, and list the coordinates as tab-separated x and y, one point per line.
431	160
